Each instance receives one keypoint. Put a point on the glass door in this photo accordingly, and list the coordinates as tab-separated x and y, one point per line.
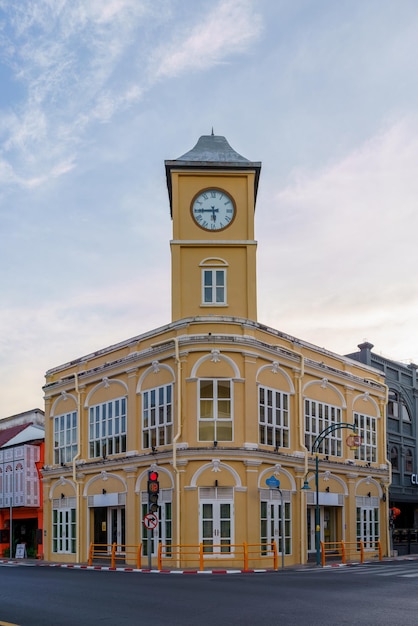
272	526
328	524
368	526
100	528
216	526
117	527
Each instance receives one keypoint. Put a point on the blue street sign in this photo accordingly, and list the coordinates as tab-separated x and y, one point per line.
273	482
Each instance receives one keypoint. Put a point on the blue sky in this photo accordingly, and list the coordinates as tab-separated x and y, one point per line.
95	94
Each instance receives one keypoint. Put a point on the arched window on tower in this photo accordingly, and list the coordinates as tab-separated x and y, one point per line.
214	282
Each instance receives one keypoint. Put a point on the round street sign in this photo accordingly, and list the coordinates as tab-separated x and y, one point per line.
150	521
273	482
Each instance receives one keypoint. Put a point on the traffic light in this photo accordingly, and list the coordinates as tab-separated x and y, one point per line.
153	491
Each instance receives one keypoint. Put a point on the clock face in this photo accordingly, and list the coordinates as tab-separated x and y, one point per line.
213	209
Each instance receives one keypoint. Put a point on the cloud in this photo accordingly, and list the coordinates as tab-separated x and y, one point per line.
229	28
41	337
71	59
66	57
345	254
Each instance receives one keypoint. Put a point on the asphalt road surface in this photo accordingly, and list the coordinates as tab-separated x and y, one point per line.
381	594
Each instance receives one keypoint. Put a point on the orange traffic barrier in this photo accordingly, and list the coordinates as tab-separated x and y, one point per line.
240	555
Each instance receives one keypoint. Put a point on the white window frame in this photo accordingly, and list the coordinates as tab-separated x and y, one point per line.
318	416
218	543
65	437
271	521
107	428
216	403
273	417
213	293
157	416
366	427
368	525
64	526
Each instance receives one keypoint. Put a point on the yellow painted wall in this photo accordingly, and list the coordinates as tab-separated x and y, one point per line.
213	342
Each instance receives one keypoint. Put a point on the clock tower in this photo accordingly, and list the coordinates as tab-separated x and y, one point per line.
212	191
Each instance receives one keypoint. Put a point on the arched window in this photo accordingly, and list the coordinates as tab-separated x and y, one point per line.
214	274
397	408
405	413
394	458
408	461
393	404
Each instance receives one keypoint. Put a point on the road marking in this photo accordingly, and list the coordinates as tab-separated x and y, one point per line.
8	624
395	572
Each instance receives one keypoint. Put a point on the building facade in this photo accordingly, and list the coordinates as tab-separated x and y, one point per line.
221	406
21	459
401	428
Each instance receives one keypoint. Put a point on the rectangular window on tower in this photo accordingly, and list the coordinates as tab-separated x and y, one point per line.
214	286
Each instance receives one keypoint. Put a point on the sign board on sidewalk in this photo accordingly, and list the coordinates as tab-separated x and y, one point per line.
20	551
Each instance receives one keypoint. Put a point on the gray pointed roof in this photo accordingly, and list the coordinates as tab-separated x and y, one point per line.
212	149
211	152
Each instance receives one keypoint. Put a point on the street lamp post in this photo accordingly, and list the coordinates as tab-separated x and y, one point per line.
315	450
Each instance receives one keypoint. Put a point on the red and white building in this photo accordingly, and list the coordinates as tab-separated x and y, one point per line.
21	459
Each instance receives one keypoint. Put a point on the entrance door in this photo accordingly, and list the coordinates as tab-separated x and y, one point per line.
272	527
100	528
328	523
109	527
368	526
117	527
216	526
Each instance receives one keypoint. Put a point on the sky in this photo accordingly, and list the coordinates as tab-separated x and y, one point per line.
96	94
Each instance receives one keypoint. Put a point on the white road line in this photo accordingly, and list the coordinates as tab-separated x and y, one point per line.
395	572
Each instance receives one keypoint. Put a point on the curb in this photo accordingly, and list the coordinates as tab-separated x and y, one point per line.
107	568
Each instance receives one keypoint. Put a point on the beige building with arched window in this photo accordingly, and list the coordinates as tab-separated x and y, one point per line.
218	404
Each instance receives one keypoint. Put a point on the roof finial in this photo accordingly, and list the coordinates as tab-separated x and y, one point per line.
212	132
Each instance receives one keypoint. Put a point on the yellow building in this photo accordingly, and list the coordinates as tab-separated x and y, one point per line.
222	407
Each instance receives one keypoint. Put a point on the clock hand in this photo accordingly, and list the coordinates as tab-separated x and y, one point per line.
205	210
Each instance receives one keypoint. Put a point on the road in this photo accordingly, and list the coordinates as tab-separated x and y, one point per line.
381	594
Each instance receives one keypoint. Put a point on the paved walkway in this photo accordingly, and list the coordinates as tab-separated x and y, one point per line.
105	566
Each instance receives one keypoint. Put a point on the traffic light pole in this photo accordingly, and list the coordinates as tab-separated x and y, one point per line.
150	548
153	487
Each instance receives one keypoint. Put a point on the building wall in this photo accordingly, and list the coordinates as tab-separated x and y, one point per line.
228	377
21	494
401	425
250	356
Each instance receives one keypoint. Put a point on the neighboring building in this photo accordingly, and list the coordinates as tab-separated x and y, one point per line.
215	402
21	459
401	424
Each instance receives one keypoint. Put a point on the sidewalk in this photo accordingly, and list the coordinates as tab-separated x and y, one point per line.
103	566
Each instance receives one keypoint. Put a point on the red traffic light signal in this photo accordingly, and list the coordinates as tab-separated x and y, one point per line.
153	490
